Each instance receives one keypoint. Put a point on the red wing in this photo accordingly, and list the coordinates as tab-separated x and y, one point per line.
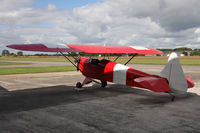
115	49
40	48
87	49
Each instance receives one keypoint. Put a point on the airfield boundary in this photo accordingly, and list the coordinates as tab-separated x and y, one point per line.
31	64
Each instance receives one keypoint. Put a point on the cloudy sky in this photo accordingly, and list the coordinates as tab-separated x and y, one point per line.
152	23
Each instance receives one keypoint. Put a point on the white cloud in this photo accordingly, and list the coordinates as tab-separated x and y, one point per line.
51	7
198	39
155	23
168	40
197	31
10	5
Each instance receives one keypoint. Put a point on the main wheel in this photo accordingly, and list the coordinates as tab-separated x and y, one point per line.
78	85
103	84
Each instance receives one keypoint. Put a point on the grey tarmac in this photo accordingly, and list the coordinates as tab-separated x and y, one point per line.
47	102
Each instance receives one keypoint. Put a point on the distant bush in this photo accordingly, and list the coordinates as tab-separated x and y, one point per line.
5	52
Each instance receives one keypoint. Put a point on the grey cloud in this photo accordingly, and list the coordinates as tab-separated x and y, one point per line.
173	15
10	5
153	23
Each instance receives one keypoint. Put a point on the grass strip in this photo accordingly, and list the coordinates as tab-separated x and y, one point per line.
156	60
11	63
35	58
24	70
184	62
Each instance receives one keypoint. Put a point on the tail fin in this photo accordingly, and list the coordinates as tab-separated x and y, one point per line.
175	75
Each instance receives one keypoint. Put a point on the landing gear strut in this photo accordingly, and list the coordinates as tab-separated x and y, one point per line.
79	85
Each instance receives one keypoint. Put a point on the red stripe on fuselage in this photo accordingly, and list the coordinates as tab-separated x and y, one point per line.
108	71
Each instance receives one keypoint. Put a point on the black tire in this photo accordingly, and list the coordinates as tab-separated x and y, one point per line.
78	85
103	84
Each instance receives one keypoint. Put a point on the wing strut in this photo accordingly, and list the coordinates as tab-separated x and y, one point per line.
117	58
130	59
69	59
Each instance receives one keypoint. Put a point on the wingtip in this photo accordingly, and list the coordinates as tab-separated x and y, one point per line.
10	46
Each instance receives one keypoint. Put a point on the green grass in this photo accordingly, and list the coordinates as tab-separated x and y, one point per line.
161	61
23	70
192	60
34	58
184	62
144	61
11	63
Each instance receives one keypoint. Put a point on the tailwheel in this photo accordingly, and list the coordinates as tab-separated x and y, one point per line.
103	84
173	97
78	85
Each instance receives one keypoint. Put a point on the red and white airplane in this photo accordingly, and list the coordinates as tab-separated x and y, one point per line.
171	79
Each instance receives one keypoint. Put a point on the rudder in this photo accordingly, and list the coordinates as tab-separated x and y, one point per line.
174	74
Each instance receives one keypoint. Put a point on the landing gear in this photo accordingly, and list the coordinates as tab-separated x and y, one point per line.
103	84
78	85
173	97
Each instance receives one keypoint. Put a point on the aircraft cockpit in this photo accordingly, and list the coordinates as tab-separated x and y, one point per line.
94	61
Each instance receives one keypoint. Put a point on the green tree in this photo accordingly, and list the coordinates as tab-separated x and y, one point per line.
20	53
185	53
183	49
195	52
5	52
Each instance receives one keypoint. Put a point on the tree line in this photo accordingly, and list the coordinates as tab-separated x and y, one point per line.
6	53
184	50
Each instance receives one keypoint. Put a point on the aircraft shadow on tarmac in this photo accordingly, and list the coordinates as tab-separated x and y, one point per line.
3	89
29	99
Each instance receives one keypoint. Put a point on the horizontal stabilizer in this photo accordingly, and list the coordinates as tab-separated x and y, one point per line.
189	82
156	84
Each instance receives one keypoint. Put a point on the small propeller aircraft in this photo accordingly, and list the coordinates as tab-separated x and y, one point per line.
171	79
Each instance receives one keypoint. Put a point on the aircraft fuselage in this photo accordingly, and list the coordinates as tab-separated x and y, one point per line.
110	71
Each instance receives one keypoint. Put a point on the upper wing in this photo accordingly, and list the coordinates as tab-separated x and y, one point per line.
40	48
115	49
87	49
